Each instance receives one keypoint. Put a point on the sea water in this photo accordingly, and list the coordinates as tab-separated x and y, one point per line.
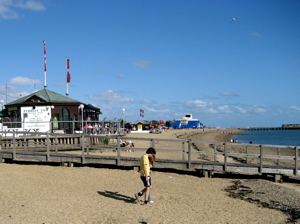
270	137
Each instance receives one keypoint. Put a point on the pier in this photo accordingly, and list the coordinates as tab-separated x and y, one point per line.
97	150
283	127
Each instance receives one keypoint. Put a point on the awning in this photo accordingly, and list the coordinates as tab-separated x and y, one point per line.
3	113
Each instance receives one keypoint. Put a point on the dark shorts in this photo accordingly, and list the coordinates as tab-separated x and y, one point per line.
146	184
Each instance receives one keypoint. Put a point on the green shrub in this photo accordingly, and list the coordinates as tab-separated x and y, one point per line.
105	141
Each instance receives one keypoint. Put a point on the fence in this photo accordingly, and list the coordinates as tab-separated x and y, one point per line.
205	157
72	127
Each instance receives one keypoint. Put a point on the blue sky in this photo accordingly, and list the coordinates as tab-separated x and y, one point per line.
167	57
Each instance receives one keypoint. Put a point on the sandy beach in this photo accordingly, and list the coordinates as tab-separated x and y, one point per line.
32	193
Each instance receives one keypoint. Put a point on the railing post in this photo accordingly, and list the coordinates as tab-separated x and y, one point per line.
48	147
152	144
296	160
118	151
261	158
278	155
183	151
189	155
82	146
89	142
225	156
215	152
247	154
14	146
25	143
56	143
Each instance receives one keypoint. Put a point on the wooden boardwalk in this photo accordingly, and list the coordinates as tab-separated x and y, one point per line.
235	157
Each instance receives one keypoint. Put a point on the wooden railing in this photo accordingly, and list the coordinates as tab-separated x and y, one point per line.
206	157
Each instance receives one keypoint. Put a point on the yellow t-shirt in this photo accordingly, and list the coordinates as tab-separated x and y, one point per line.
144	161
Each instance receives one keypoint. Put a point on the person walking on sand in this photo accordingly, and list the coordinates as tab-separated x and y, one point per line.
145	175
151	160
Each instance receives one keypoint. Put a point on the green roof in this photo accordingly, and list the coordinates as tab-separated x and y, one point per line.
141	122
46	95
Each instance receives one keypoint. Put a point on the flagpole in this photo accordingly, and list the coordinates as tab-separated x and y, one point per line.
67	67
45	65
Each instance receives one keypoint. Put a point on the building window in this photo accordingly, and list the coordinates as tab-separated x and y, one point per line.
64	115
55	122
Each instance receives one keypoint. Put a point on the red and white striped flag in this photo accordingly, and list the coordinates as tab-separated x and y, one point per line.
68	63
45	65
68	77
44	42
45	62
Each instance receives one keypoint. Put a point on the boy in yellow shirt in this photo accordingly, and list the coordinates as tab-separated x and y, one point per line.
145	174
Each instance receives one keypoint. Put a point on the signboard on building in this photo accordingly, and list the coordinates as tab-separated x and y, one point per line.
36	118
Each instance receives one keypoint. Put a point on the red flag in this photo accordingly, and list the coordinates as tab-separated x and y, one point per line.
45	64
44	42
68	77
68	63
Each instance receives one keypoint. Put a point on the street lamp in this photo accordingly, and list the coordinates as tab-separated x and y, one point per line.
81	106
123	111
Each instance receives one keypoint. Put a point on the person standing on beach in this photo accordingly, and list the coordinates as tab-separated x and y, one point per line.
145	174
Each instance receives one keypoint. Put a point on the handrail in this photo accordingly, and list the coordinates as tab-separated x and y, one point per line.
50	141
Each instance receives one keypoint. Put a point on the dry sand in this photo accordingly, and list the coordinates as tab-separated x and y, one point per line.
54	194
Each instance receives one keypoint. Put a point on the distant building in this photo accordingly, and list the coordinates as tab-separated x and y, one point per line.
46	111
291	126
186	122
140	126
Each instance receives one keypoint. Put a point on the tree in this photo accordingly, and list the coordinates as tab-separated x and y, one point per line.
168	124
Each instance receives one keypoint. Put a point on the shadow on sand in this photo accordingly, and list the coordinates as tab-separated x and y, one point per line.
117	196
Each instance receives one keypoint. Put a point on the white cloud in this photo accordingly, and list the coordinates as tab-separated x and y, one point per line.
142	64
241	110
212	111
224	109
121	76
148	101
8	8
155	110
296	108
10	93
23	81
237	114
260	110
112	97
7	13
228	94
209	97
30	4
197	103
256	34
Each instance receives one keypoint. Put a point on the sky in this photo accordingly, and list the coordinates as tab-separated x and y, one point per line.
167	57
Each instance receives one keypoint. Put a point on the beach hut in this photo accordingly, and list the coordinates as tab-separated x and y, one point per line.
141	126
